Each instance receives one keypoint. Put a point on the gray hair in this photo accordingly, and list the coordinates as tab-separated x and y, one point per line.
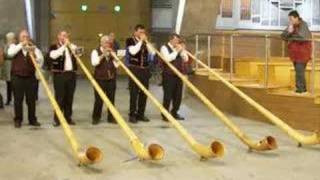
10	36
104	38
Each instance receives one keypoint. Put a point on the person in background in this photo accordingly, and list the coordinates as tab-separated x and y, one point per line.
105	73
1	69
6	69
116	44
23	77
298	36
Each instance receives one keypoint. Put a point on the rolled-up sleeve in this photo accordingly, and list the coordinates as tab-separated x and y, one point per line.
55	54
95	59
168	56
14	49
134	49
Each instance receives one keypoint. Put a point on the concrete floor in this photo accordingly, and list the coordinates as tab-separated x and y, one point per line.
44	154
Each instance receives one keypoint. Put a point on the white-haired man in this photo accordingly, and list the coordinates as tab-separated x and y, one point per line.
105	74
23	78
6	69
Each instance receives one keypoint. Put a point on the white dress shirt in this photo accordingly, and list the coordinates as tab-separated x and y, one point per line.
173	55
134	49
14	49
96	59
63	50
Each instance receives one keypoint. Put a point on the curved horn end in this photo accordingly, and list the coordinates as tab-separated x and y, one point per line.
156	152
91	155
217	149
269	143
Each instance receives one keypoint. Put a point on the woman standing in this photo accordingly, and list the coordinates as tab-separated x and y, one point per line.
6	69
298	36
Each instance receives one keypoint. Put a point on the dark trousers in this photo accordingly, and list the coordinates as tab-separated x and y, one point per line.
9	92
109	88
64	88
24	87
300	76
137	97
37	89
1	102
172	92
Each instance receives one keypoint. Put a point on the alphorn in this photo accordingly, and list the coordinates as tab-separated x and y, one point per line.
153	152
216	149
294	134
86	156
268	143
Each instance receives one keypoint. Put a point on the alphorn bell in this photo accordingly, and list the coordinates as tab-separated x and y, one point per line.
153	152
216	149
297	136
268	143
87	156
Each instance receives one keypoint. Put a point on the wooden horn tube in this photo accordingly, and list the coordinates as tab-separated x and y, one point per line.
216	149
85	156
153	152
269	143
294	134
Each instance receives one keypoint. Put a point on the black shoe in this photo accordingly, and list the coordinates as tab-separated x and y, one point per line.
56	124
8	103
143	119
95	122
17	124
36	124
165	119
72	123
178	117
133	120
112	121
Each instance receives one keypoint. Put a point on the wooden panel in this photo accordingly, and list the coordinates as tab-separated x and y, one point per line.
289	109
100	18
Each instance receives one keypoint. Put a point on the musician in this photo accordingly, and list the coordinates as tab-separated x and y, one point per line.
105	74
23	77
173	52
138	63
64	67
298	36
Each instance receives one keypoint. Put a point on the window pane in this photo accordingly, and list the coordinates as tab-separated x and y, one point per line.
245	9
227	8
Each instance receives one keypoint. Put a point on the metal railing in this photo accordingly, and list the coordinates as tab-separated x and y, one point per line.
206	41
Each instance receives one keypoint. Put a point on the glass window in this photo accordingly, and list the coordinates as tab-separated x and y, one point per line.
226	8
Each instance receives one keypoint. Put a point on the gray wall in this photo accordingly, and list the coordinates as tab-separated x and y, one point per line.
12	17
200	16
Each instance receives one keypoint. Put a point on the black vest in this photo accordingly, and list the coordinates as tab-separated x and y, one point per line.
106	69
177	63
57	65
141	58
22	65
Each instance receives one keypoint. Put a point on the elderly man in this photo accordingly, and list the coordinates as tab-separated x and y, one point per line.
6	69
64	67
105	74
23	77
